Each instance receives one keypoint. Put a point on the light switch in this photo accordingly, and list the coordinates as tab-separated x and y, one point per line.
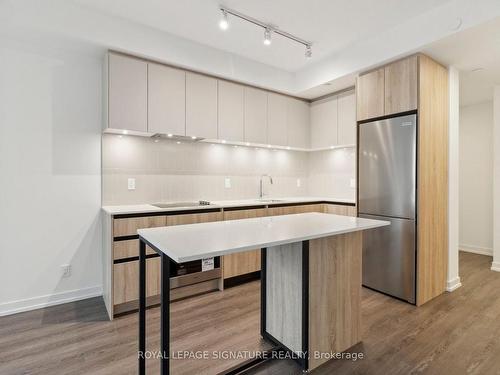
298	182
227	183
352	183
131	183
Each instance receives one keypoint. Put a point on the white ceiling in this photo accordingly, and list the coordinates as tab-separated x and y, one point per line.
468	50
330	24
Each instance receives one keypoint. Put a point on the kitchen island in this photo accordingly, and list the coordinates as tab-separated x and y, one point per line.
310	277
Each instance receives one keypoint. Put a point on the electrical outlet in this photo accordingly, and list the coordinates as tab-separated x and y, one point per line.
66	270
131	183
227	183
298	182
352	183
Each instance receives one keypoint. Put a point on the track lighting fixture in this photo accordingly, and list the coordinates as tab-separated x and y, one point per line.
268	29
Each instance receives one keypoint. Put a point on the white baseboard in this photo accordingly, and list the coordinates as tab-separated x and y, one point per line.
454	284
34	303
476	249
495	266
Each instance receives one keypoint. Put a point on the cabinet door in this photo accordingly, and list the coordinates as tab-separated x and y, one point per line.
166	100
255	115
298	123
276	120
201	106
324	115
339	209
126	284
246	262
231	111
289	210
370	95
129	226
346	119
401	86
193	218
127	93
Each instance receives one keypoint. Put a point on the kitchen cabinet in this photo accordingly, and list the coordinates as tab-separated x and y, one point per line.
129	226
166	100
193	218
127	93
298	123
277	133
339	209
324	123
346	131
298	209
128	249
238	264
370	94
201	106
255	115
231	101
401	86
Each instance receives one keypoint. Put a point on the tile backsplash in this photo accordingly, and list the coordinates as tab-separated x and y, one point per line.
167	171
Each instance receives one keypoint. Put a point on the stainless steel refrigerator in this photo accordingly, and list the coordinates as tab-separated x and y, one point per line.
387	174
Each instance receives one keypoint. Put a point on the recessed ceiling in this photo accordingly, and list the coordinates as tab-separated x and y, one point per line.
469	50
330	24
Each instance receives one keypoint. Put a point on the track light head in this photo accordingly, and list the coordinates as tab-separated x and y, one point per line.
224	24
308	53
267	36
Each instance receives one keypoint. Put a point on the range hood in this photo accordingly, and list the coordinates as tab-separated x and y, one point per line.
182	138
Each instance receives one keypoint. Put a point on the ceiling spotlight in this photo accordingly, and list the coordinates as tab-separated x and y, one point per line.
223	24
308	51
223	141
267	36
125	132
169	135
193	137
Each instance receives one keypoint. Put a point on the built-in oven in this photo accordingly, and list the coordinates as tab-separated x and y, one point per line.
188	273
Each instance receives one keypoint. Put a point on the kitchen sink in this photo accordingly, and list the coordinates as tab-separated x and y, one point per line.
181	204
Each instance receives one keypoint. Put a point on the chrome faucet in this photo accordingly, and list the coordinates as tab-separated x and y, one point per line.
270	180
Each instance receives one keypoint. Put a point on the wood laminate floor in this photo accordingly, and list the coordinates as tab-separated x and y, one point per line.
457	333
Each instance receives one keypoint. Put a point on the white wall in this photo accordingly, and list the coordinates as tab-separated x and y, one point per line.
50	175
476	180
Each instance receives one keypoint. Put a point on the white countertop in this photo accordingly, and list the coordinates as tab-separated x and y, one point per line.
184	243
148	208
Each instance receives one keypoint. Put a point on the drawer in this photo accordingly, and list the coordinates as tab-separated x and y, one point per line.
341	210
287	210
128	249
126	280
129	226
194	218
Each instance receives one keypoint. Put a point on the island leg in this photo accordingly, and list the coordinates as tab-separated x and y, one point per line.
142	308
165	315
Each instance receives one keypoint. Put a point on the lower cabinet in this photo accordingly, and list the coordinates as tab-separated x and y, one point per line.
339	209
298	209
246	262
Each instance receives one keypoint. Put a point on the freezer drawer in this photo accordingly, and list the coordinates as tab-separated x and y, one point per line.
387	167
389	258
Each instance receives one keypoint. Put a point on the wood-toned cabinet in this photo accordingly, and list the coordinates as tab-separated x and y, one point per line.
127	93
129	226
166	100
193	218
246	262
324	125
298	123
231	104
298	209
255	115
370	94
201	106
277	131
400	93
339	209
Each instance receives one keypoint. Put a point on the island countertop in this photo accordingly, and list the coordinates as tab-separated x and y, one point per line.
184	243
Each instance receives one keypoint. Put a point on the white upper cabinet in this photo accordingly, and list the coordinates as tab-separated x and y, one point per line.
298	123
231	111
201	106
255	115
324	123
347	118
166	100
127	93
276	120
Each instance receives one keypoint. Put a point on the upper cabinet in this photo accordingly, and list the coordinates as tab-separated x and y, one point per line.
298	123
255	115
277	133
201	106
324	122
401	86
166	100
127	93
231	102
370	95
346	120
388	90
